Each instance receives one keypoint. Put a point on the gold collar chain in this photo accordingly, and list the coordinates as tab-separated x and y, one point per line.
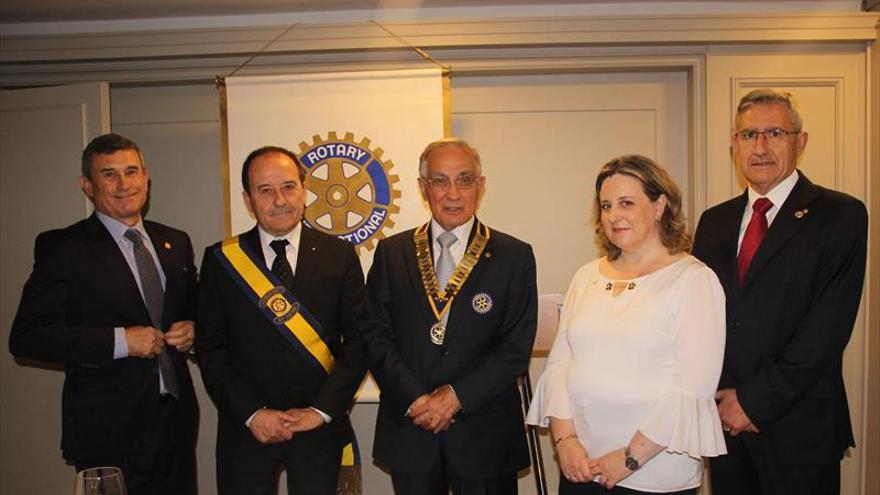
440	301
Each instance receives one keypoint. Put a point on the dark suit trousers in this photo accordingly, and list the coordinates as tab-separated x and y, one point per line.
441	478
160	465
247	467
743	472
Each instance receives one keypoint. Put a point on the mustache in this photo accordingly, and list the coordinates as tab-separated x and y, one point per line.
281	210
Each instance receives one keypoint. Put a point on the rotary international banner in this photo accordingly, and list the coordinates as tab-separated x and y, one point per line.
359	134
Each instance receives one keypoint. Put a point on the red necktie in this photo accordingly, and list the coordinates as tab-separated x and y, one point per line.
754	235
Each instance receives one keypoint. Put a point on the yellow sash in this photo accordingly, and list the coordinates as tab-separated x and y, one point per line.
277	304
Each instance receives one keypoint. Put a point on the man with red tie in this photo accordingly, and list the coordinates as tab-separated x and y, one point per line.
791	257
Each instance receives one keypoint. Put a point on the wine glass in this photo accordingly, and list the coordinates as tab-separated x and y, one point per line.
100	481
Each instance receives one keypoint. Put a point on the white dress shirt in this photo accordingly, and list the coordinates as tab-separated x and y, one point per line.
292	238
462	232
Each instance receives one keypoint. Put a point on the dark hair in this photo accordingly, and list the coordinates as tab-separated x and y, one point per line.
106	144
655	182
266	150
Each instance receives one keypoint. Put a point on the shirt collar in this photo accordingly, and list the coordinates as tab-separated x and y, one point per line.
117	229
462	232
292	237
778	194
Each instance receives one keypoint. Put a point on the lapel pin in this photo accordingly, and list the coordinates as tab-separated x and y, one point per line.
801	213
488	255
482	303
313	248
167	245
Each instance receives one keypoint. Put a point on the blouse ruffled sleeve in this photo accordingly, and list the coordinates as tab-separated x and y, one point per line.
551	395
685	418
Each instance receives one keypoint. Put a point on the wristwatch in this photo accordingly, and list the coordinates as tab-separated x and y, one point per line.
631	463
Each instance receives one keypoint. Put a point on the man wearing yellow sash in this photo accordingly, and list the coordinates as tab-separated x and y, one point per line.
454	312
278	339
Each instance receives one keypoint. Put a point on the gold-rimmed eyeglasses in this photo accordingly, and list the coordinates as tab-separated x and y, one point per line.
771	136
442	183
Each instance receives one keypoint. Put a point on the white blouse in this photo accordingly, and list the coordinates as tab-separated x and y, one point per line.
647	359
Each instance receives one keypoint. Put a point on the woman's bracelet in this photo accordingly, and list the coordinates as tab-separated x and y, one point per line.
563	438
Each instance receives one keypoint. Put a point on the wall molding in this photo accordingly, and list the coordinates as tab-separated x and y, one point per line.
202	53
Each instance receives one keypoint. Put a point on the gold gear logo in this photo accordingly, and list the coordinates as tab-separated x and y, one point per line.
278	305
349	188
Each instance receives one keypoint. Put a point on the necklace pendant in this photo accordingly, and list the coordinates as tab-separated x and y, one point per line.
438	333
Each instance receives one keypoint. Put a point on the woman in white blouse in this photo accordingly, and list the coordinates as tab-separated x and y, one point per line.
629	388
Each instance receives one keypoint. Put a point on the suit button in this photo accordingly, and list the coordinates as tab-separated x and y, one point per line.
445	353
733	324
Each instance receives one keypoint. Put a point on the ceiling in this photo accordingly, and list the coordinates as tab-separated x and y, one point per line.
25	11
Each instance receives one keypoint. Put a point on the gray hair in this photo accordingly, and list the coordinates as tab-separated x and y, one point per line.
450	141
766	96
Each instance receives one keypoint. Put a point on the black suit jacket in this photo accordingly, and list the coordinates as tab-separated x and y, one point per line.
80	289
788	324
482	356
247	364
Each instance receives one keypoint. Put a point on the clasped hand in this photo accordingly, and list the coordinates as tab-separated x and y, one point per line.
274	426
147	342
610	469
435	412
733	418
578	467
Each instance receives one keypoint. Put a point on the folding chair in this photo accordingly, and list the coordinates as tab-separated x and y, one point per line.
549	306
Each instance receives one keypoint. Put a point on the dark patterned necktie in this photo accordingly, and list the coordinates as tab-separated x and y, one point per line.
154	297
281	267
752	239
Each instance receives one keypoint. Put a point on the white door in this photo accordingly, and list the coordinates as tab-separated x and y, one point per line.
42	134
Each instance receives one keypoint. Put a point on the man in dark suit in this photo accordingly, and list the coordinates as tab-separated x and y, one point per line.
791	257
279	339
112	298
454	308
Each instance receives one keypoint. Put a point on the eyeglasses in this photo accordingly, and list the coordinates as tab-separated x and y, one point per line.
772	136
442	183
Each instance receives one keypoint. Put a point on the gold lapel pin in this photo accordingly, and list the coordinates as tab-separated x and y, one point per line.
801	213
167	245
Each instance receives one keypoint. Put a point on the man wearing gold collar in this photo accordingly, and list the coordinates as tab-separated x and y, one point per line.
454	312
278	339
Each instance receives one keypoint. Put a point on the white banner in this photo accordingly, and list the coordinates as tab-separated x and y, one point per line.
359	134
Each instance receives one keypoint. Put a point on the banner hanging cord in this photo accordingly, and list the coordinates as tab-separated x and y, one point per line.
447	69
262	50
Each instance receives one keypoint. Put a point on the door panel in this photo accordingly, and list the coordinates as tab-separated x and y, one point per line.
42	134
